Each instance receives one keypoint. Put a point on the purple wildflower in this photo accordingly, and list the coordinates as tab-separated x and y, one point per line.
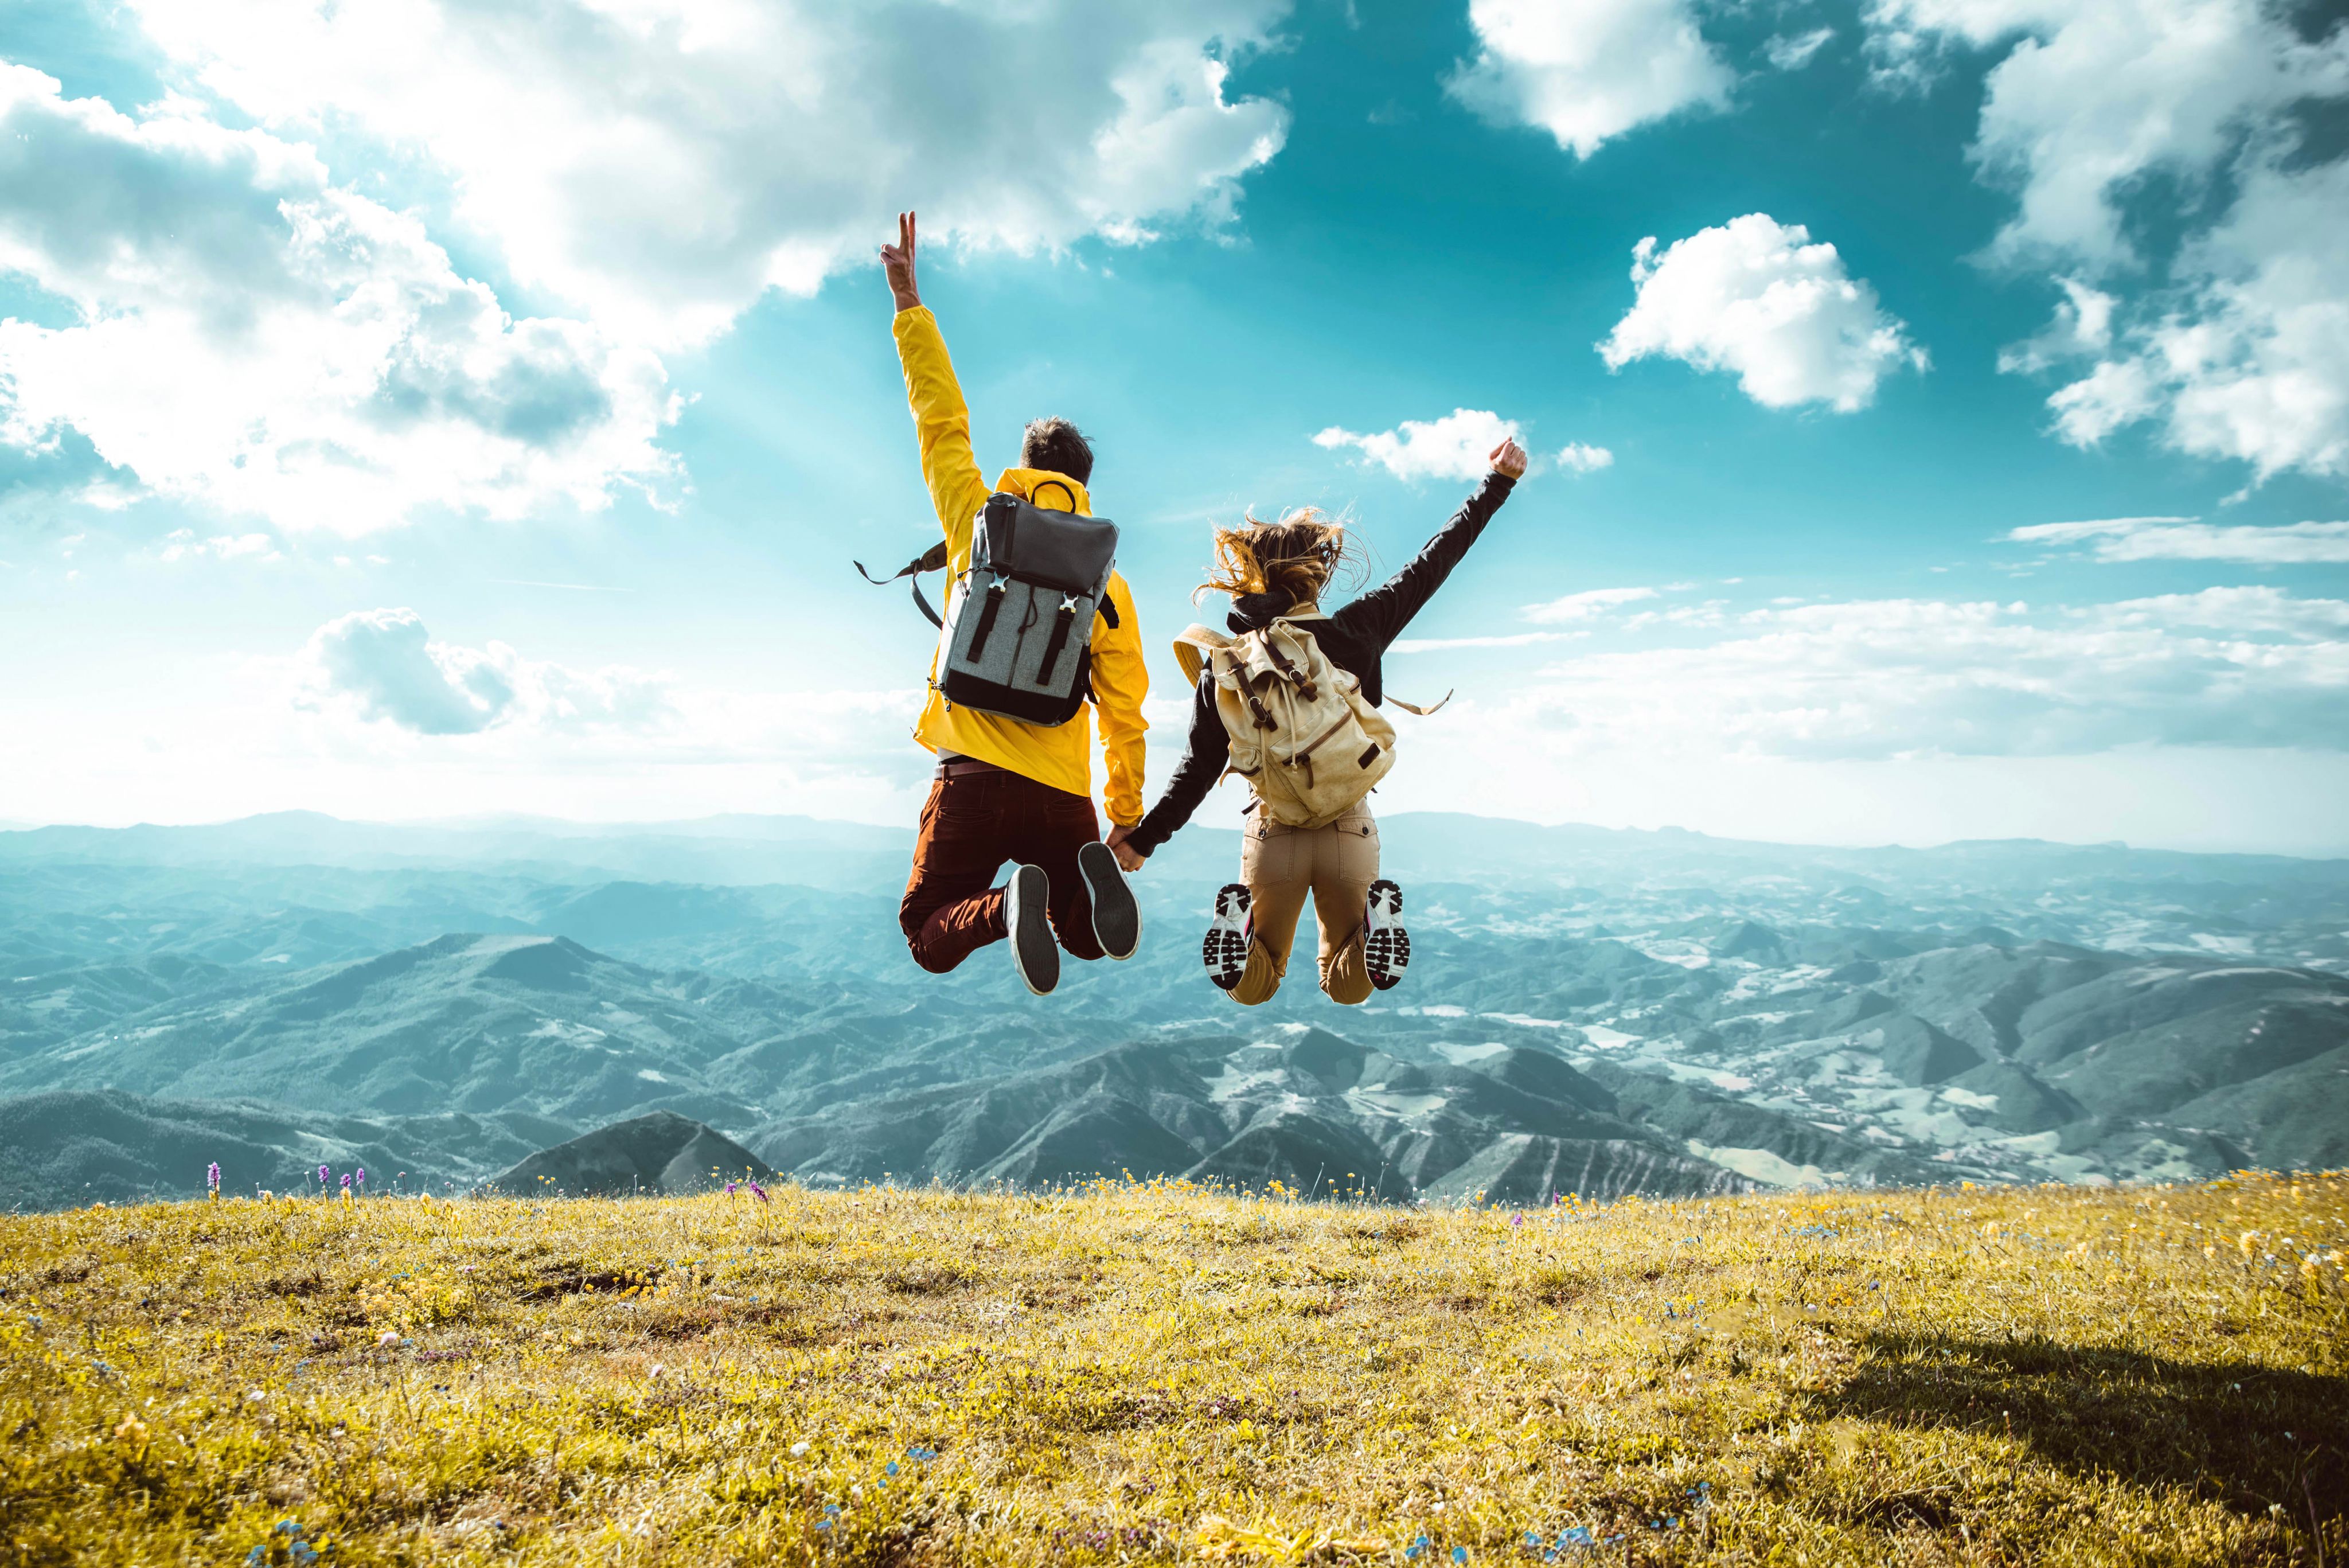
211	1178
362	1177
346	1183
760	1193
729	1190
322	1174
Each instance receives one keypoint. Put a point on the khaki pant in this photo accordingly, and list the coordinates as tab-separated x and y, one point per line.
1280	864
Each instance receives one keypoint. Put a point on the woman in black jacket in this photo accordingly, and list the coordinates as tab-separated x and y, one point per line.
1281	570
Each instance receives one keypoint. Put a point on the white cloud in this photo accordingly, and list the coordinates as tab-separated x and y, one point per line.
1893	677
181	545
1586	605
2252	609
2188	539
250	335
1514	639
2093	95
2249	357
1457	446
2083	324
383	666
1789	52
661	163
1757	297
1587	70
2115	120
1584	458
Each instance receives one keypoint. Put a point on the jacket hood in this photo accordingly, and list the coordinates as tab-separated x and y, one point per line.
1026	482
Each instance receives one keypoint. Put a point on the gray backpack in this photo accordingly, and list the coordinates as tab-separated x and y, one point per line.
1019	643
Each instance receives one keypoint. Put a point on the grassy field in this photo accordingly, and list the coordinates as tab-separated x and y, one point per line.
1147	1373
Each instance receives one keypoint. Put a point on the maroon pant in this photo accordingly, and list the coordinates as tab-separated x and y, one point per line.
972	824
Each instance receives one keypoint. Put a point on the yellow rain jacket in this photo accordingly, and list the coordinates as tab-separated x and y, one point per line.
1062	756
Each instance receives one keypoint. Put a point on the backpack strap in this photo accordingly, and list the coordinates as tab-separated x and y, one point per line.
1288	671
1062	622
930	560
991	602
1192	649
1065	489
1415	707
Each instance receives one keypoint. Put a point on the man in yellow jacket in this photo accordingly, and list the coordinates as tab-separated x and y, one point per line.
1007	791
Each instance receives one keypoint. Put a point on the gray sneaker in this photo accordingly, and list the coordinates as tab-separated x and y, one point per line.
1034	953
1117	918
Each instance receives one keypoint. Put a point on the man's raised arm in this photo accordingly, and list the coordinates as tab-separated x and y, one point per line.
941	419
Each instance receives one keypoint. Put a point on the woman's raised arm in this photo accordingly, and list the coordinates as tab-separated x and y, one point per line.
1379	617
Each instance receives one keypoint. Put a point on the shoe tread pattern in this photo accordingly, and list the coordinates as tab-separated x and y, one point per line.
1386	945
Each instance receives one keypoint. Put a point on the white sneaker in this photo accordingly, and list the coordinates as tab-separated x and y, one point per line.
1225	949
1386	945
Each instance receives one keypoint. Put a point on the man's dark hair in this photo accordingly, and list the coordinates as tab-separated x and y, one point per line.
1059	447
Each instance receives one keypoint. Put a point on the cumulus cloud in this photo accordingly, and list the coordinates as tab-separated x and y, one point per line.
1583	459
383	666
1587	70
1908	677
2093	95
1758	297
661	164
2189	539
247	334
2247	357
1586	605
2114	120
1457	446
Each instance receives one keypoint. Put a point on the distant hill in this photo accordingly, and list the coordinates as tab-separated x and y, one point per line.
1307	1108
475	1023
76	1146
663	1152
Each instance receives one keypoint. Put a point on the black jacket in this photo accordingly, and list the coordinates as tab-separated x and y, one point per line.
1354	638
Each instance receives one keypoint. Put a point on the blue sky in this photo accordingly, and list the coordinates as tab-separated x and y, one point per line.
419	410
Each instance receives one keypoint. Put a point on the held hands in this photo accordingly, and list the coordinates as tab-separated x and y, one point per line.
1127	856
897	262
1508	459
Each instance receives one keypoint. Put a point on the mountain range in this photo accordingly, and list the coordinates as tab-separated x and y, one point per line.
1587	1011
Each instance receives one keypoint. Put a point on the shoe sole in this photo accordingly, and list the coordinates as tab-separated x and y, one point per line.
1117	918
1225	951
1386	945
1034	954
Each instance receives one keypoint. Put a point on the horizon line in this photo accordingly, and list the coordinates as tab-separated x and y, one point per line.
590	827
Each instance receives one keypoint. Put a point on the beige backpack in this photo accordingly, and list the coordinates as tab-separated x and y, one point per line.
1301	733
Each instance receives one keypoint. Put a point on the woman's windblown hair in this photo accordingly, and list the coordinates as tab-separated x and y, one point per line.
1271	569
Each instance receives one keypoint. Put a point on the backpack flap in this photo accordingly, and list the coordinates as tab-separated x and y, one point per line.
1039	544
